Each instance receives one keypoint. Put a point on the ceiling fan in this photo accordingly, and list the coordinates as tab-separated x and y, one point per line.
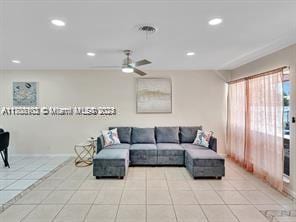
128	66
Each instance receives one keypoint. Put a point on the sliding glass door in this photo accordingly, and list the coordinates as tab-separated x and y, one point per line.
286	124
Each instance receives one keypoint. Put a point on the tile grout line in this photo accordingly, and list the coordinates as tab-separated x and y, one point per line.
119	202
146	195
56	189
30	188
66	202
38	204
169	191
238	190
92	204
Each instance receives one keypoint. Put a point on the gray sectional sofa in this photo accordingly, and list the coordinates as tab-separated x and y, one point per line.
159	146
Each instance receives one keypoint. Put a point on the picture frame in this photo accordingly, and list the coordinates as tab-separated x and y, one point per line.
25	94
154	95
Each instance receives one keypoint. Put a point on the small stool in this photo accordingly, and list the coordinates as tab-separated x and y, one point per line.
85	153
111	163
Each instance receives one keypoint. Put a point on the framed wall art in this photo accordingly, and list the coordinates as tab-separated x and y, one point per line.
154	95
24	94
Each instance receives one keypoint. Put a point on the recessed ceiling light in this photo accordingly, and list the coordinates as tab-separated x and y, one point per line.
58	22
91	54
215	21
190	53
16	61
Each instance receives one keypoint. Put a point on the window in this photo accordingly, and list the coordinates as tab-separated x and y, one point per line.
286	125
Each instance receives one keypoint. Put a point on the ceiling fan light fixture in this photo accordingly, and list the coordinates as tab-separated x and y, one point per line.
127	69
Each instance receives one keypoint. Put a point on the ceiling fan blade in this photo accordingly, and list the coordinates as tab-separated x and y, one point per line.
142	62
139	72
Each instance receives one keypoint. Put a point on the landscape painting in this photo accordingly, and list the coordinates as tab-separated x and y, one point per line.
25	94
154	95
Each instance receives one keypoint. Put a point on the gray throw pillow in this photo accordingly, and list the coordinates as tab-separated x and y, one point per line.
143	135
188	133
124	134
167	134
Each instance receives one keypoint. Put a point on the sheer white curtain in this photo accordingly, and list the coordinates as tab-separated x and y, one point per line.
264	140
236	121
255	126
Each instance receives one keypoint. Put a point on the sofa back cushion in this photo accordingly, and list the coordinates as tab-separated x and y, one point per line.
188	133
124	134
143	135
167	134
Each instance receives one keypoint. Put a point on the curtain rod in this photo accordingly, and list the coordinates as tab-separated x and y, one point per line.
258	75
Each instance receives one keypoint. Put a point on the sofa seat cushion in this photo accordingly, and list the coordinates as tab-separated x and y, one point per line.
143	147
187	146
118	146
143	135
112	154
170	154
169	149
143	154
167	134
124	134
188	133
204	157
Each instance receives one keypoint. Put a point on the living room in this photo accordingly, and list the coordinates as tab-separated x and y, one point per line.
159	68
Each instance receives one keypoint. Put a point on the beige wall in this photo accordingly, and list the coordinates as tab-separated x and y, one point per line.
284	57
199	97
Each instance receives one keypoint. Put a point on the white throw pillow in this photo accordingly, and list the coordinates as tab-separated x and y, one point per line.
203	138
110	137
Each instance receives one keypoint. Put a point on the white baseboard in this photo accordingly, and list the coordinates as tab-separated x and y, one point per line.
290	192
40	155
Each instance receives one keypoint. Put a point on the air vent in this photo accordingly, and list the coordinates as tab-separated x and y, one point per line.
147	29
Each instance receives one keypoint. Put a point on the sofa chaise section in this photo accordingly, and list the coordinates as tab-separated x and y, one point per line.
111	163
203	162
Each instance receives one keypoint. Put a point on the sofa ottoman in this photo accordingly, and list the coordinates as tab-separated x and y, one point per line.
204	162
111	163
170	154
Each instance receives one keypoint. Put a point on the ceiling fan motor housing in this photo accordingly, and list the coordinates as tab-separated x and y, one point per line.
127	61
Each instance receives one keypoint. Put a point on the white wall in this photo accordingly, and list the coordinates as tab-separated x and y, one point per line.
284	57
199	97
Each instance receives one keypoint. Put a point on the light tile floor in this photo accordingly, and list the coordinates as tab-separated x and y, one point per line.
150	194
24	171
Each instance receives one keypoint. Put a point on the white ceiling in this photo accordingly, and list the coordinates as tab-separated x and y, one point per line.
251	29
